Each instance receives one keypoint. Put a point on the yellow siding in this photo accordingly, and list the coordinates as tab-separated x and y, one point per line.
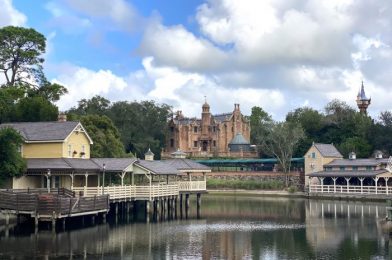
77	140
42	150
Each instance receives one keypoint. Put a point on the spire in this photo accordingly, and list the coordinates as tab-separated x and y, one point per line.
362	101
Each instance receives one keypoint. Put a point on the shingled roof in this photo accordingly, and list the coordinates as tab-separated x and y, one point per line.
347	173
43	131
61	164
158	167
328	150
187	164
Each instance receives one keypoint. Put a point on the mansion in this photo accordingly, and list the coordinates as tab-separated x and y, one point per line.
222	135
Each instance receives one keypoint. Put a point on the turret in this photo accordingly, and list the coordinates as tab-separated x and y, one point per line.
205	118
362	101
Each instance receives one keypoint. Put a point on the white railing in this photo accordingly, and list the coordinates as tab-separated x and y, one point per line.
192	185
350	189
129	191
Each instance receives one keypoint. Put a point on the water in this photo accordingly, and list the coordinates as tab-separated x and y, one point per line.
230	227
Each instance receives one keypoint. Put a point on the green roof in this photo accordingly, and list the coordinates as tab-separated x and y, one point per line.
239	139
244	161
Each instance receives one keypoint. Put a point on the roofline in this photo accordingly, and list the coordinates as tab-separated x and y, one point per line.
73	130
314	144
44	141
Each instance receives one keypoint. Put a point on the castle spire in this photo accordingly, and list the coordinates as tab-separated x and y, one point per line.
362	101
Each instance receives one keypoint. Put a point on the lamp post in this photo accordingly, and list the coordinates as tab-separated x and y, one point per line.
103	179
48	180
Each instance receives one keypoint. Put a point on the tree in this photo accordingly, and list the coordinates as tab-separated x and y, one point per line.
257	118
96	105
11	162
107	143
34	109
280	141
21	52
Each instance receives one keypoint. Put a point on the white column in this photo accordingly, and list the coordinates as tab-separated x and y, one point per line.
375	181
361	180
86	183
386	184
322	183
348	183
334	184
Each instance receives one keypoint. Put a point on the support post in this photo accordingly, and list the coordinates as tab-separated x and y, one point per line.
361	180
376	181
348	183
85	184
334	184
386	184
322	184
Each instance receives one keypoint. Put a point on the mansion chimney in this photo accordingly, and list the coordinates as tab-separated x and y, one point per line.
62	117
205	119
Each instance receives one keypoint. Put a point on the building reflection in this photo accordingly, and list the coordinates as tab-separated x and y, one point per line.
229	228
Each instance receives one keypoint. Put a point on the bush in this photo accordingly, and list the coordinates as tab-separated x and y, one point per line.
244	184
292	189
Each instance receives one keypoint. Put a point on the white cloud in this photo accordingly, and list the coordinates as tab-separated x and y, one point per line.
10	16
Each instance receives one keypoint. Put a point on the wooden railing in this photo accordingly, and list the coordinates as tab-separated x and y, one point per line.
129	192
138	192
192	185
58	191
50	203
350	189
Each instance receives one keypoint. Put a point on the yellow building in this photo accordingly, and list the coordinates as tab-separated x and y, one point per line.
317	156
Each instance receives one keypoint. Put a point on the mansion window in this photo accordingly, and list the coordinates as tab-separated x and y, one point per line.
214	129
172	129
171	142
194	143
214	143
195	129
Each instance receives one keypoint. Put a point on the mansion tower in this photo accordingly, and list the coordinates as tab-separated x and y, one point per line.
223	135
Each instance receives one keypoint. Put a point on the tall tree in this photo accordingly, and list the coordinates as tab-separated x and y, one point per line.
34	109
11	162
280	141
21	52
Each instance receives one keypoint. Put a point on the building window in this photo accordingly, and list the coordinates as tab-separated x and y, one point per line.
69	150
314	155
214	143
232	129
171	142
194	143
355	168
342	168
369	168
328	169
195	129
172	129
214	129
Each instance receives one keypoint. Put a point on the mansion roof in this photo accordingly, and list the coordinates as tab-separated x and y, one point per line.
43	131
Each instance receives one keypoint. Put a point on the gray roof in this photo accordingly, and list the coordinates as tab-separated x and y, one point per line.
357	162
346	173
149	152
187	164
62	164
114	164
362	94
239	139
328	150
158	167
222	117
43	131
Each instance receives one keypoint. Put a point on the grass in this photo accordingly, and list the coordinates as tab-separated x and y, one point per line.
244	184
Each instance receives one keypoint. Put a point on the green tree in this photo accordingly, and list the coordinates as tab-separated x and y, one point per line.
280	141
11	162
21	52
97	105
257	119
34	109
107	143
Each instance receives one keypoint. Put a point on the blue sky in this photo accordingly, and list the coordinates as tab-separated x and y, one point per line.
277	54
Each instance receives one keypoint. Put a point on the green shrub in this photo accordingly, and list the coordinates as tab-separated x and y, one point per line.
244	184
292	189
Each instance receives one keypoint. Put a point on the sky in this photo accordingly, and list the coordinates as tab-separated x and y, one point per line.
276	54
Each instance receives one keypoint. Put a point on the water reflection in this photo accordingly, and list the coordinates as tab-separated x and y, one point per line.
231	227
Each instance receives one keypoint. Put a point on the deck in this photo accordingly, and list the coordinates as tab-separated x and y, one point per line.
136	192
59	203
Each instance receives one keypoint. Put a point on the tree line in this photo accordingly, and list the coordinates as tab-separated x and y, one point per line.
121	129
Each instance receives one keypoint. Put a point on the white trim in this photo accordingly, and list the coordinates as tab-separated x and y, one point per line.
83	131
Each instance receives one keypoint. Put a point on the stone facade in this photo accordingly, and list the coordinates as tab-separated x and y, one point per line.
209	136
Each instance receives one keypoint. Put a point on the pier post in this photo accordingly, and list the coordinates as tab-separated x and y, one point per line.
186	205
104	218
7	218
63	223
175	206
198	203
93	220
36	221
53	223
147	211
116	208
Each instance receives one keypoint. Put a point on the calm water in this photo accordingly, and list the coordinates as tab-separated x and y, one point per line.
230	227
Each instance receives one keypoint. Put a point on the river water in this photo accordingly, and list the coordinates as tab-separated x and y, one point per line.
229	227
